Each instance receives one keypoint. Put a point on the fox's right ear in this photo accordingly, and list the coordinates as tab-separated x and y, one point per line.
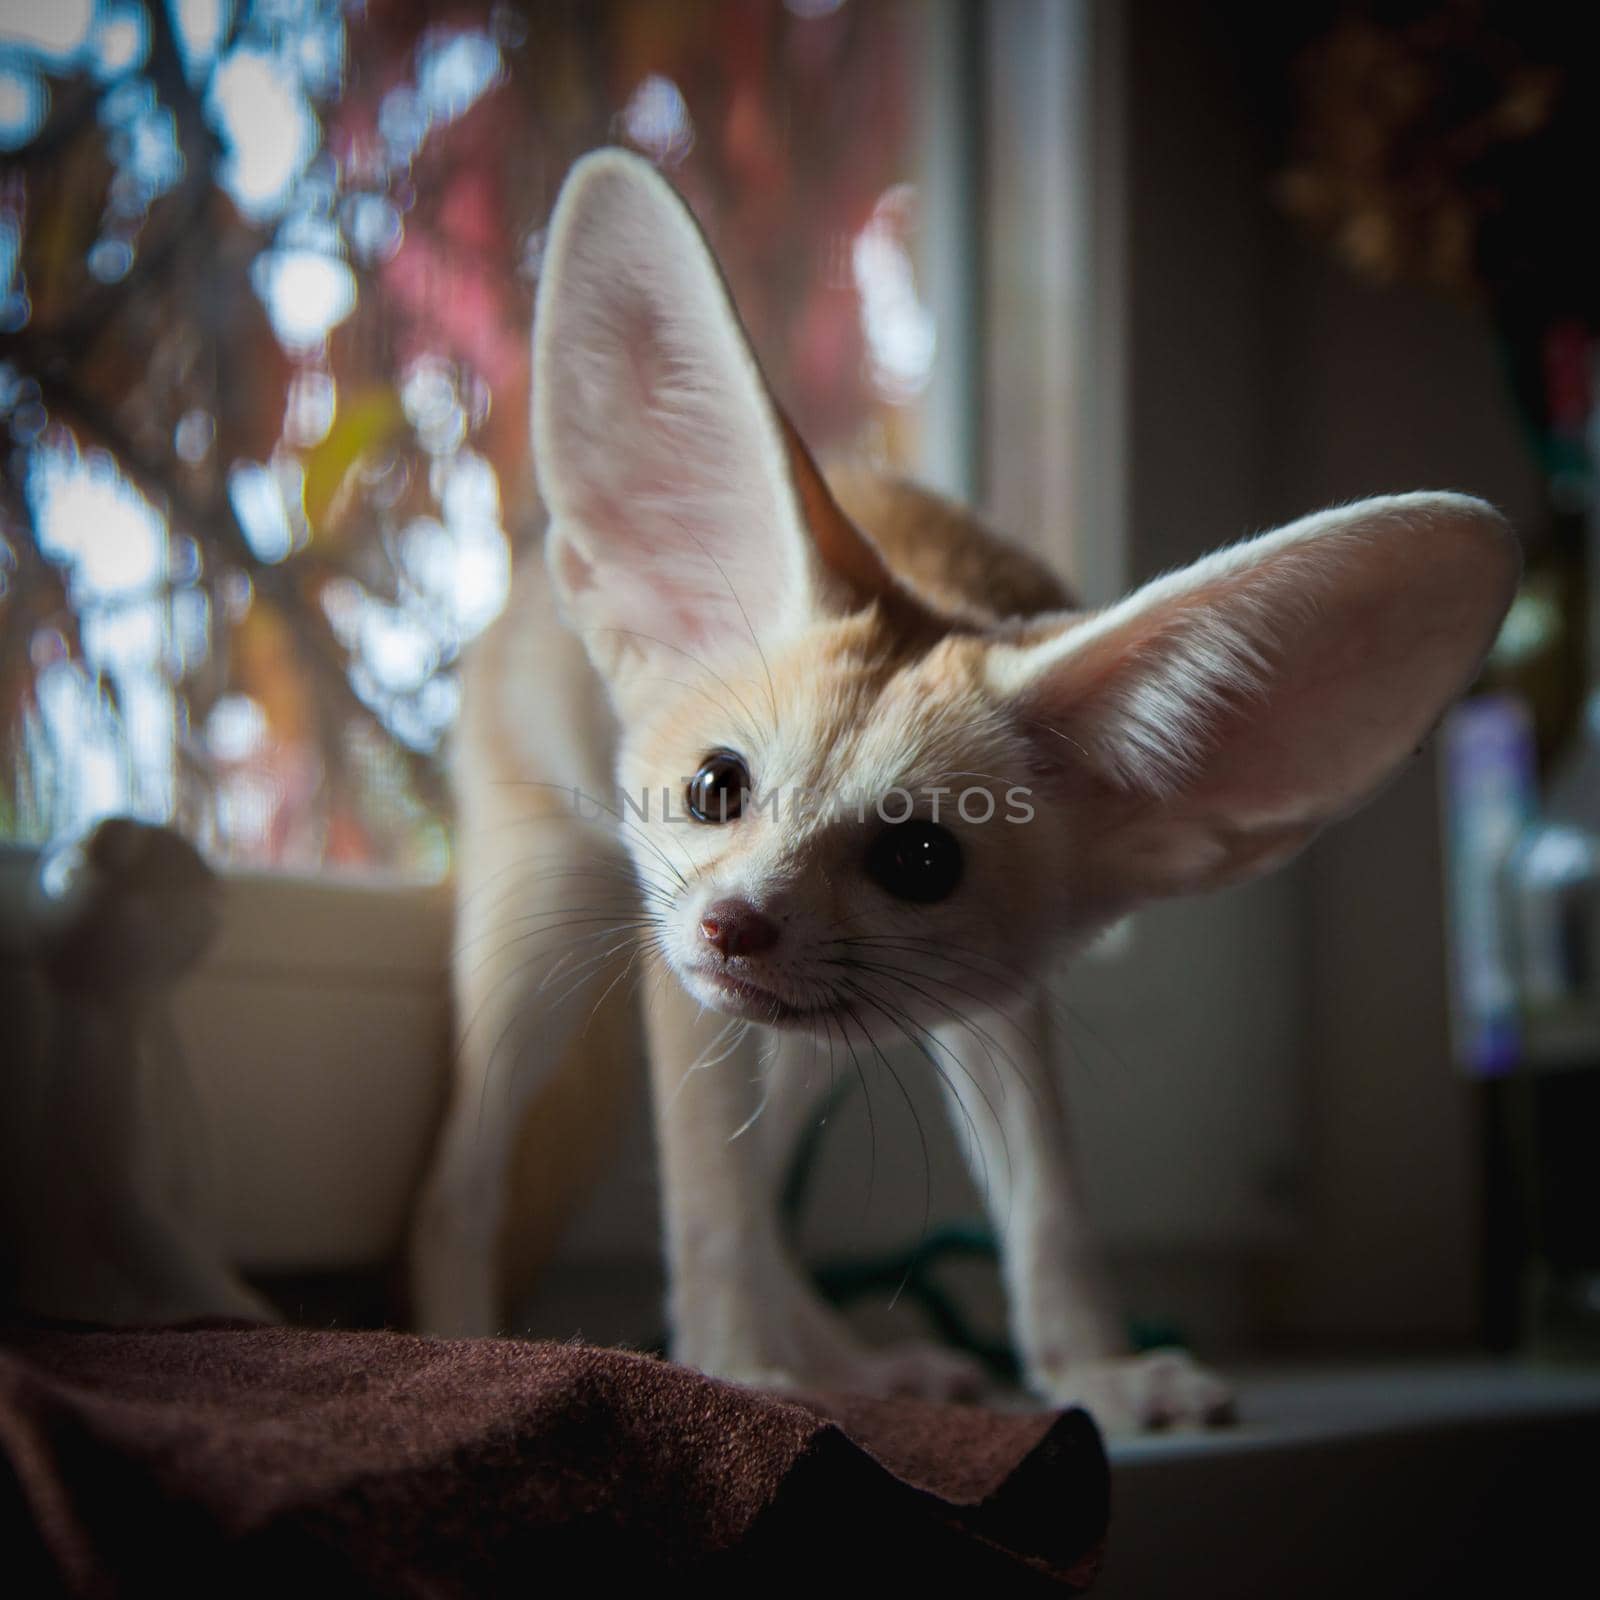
681	516
1224	713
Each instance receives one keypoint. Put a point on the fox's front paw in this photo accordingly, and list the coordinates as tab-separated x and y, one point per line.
1128	1394
916	1371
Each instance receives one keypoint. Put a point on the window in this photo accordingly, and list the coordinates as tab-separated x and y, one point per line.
266	277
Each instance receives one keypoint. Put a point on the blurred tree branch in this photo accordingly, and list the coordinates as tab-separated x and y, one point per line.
189	219
174	353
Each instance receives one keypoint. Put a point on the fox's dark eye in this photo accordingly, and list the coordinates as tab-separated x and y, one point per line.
916	860
716	792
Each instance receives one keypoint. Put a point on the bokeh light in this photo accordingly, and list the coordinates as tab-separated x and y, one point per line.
267	269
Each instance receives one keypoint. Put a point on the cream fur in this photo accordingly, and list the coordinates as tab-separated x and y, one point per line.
1196	733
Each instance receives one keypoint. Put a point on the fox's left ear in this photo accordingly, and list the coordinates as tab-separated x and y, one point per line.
1217	718
685	514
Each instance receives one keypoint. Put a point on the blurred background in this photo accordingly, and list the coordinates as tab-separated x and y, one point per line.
1137	279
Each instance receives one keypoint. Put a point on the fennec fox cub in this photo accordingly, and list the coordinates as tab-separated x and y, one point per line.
829	759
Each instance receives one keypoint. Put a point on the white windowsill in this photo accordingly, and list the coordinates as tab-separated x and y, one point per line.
317	1030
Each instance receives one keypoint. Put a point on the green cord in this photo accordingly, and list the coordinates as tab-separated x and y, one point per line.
900	1274
911	1273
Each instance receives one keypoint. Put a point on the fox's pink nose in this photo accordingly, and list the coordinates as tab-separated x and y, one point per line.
736	928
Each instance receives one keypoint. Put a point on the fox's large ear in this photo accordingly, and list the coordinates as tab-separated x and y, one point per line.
670	477
1216	719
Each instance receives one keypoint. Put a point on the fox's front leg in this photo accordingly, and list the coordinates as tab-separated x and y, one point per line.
727	1276
738	1303
1009	1114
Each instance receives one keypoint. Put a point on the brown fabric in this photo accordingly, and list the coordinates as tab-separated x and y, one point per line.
244	1459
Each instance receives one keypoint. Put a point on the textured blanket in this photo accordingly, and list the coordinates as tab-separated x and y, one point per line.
246	1459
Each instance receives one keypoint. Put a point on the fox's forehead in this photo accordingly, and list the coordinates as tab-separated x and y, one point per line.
914	728
843	710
